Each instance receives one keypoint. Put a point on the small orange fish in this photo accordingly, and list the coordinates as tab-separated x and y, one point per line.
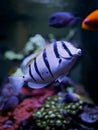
91	21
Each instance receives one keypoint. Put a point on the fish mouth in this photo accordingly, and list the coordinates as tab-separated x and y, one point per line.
79	52
86	21
56	25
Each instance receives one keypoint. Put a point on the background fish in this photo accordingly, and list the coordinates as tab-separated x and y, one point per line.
91	21
62	19
51	64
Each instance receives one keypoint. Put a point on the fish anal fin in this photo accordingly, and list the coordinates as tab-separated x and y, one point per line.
37	85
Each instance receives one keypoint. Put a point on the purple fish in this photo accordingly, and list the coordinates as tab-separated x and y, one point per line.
62	19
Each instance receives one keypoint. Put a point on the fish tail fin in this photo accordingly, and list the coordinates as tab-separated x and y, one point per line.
17	83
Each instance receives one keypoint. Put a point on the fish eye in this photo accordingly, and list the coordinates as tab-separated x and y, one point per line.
23	76
87	22
52	18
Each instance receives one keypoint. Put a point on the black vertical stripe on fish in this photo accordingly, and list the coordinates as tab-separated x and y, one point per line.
31	73
36	68
46	62
65	47
60	60
56	50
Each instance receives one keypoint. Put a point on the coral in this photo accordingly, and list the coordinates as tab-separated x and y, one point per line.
7	90
55	114
48	109
90	114
28	125
23	111
11	55
51	108
34	43
10	103
8	98
58	113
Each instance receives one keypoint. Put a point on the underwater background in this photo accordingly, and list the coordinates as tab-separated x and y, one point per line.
24	19
20	20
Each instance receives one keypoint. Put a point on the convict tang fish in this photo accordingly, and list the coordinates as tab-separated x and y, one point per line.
50	65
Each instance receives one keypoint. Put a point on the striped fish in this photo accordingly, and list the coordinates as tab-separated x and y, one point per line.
51	64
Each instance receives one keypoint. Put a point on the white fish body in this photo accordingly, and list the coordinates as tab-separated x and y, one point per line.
52	63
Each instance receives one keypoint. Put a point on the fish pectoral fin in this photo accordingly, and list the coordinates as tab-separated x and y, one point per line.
37	85
60	78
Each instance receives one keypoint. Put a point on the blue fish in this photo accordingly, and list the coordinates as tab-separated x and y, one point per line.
62	19
53	63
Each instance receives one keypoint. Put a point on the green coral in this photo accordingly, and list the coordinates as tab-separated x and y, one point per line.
11	55
74	107
55	114
34	43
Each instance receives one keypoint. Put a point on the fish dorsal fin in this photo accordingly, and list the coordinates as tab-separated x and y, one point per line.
28	60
